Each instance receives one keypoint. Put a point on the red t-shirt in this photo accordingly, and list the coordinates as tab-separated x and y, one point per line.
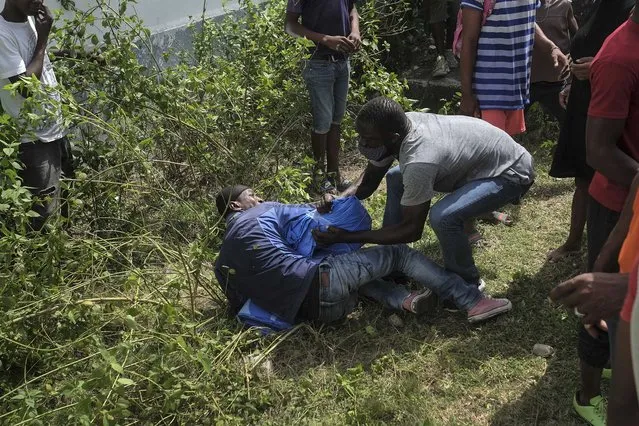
614	79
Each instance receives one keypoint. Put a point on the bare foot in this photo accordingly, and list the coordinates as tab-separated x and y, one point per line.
562	251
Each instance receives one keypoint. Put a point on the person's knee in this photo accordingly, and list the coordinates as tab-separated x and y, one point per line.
394	178
437	217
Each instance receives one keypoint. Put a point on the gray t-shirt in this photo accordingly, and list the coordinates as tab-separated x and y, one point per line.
442	153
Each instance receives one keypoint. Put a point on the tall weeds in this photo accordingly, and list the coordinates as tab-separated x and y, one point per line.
113	316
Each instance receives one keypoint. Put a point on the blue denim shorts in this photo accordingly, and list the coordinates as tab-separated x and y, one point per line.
327	83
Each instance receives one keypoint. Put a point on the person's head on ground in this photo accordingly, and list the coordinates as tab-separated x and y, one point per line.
236	198
382	125
23	8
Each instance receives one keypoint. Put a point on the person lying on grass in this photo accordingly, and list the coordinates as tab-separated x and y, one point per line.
258	262
479	166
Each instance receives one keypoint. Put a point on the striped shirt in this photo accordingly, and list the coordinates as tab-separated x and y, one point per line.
501	79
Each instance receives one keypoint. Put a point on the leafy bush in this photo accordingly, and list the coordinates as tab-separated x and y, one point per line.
117	317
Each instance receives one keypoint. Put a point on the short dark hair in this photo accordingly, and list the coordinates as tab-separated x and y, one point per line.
385	114
226	195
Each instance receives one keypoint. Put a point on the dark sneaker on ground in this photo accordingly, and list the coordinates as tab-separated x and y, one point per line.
488	308
420	302
594	413
449	306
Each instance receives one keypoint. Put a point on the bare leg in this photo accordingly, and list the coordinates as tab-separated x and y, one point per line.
590	383
332	150
578	216
318	144
438	30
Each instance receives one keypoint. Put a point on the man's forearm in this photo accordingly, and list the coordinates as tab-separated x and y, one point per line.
616	165
542	41
298	30
37	61
467	66
468	56
354	20
396	234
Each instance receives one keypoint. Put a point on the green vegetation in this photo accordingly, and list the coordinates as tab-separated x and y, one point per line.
115	317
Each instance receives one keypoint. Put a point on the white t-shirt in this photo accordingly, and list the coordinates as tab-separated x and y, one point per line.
17	46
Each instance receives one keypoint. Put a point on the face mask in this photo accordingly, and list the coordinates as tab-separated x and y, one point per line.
374	154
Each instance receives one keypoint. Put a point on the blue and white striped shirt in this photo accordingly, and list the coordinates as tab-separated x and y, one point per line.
501	79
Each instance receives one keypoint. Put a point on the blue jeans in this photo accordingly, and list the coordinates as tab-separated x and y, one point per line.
361	271
447	216
327	84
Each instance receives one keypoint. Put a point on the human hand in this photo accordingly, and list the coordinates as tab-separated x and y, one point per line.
326	203
564	95
43	22
356	38
469	106
560	62
581	68
596	295
339	44
331	236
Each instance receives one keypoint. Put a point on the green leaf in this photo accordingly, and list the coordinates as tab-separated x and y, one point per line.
126	382
8	151
117	367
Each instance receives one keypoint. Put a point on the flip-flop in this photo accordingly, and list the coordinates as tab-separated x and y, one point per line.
499	217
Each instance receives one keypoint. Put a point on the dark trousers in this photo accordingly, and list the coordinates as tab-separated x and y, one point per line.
44	164
547	95
596	351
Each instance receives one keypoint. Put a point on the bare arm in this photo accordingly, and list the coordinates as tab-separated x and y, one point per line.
354	20
607	259
368	182
293	27
546	45
471	20
603	154
573	27
43	22
409	230
623	409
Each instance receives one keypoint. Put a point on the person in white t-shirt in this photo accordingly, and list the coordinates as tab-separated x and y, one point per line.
44	148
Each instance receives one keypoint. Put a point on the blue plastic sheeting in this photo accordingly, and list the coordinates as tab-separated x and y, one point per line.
254	316
347	213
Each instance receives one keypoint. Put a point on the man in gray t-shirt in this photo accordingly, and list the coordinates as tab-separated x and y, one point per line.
480	167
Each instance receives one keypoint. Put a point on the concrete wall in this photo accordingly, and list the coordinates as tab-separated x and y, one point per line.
167	19
163	15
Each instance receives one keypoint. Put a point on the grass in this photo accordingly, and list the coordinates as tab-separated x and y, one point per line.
438	369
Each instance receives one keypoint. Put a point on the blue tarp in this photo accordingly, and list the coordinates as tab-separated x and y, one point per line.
254	316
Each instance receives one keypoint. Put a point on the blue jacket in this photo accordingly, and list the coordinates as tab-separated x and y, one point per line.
256	263
269	254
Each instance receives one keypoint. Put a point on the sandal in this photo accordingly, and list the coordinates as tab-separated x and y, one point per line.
497	218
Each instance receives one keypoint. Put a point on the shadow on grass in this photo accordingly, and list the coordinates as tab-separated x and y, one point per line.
542	322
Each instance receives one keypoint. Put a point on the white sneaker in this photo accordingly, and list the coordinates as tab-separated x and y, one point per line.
441	68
